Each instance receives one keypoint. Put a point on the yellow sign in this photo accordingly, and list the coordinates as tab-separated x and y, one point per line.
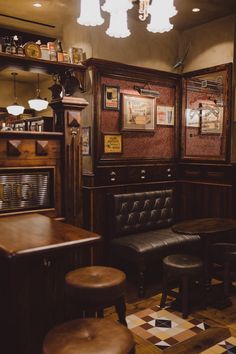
112	144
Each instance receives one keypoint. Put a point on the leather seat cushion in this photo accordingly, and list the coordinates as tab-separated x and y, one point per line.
89	336
182	264
154	244
96	285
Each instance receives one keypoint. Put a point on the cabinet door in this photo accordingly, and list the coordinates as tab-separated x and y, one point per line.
35	296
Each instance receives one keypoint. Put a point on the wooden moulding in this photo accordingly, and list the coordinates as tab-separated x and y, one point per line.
13	147
41	148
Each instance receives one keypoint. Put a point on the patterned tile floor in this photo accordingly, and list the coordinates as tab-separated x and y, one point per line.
164	328
227	346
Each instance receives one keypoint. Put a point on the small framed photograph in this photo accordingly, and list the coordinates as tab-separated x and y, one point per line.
211	120
137	113
112	143
111	97
165	115
86	141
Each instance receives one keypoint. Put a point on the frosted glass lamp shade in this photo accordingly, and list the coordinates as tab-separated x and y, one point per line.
38	104
161	11
15	109
118	27
90	14
160	26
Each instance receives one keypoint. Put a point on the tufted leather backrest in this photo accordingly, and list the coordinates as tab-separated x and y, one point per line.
138	212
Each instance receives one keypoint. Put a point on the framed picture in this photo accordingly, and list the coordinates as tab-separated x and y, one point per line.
86	138
211	119
165	115
112	143
111	97
137	113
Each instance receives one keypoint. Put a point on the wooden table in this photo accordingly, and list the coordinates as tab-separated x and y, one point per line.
35	254
209	229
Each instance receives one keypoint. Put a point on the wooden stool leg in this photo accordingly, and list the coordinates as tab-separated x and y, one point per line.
185	297
121	310
100	313
227	280
164	292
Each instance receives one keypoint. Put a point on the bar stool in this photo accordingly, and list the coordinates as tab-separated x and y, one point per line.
89	336
224	253
184	268
96	288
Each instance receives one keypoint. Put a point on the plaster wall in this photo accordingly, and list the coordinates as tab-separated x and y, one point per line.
209	44
141	48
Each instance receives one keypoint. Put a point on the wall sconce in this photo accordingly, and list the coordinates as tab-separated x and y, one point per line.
38	104
15	109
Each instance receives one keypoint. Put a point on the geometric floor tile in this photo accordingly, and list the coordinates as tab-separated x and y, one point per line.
227	346
164	328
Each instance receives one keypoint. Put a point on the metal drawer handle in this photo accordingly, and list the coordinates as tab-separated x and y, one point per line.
113	179
47	263
143	177
169	175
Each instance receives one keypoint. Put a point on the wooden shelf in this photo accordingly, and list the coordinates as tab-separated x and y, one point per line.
28	134
27	63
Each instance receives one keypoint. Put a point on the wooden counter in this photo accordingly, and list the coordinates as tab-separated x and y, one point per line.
35	254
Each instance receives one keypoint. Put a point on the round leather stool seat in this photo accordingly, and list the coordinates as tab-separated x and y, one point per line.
182	264
98	287
184	268
89	336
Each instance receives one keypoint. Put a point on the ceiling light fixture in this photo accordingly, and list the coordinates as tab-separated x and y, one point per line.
90	14
196	9
160	12
38	103
118	27
37	4
15	109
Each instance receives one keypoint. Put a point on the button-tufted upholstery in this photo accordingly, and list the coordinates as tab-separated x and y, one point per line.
145	211
140	228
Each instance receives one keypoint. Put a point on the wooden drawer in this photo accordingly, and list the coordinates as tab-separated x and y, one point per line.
134	174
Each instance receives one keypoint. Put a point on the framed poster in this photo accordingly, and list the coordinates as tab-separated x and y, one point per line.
211	119
165	115
112	143
111	97
86	144
137	113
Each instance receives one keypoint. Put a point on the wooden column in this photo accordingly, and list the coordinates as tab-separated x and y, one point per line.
68	120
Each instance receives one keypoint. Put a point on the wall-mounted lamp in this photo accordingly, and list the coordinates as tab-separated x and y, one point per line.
15	109
142	90
38	103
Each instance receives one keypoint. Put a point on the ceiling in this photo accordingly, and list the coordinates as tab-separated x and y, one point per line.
53	12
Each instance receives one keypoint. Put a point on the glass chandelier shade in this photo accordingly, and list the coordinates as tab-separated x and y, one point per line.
118	27
38	104
15	109
90	14
161	11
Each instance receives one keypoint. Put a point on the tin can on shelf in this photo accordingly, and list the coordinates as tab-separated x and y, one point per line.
44	52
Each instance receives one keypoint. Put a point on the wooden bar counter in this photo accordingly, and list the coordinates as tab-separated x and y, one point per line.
35	254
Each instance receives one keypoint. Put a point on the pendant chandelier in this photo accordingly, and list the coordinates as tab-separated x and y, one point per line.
15	109
160	12
38	104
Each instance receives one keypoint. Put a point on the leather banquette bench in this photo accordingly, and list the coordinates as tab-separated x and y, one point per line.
140	230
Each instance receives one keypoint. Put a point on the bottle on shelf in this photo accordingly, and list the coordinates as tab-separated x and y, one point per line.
60	56
14	40
19	47
7	49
